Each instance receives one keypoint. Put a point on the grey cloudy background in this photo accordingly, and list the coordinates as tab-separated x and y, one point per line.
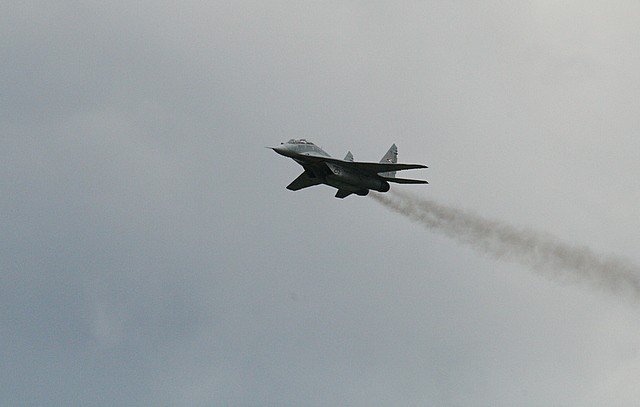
151	255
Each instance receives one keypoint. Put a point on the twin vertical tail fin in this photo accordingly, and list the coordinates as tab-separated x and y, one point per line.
391	157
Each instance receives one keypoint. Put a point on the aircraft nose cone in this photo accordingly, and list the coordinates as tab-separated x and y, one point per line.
281	149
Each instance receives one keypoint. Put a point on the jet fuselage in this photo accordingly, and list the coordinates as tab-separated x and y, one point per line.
347	176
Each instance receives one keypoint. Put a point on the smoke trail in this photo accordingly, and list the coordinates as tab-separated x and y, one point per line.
538	250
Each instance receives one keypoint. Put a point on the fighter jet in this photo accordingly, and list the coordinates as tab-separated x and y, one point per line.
348	176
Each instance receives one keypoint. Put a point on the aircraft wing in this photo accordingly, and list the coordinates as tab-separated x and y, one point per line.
367	167
379	167
303	181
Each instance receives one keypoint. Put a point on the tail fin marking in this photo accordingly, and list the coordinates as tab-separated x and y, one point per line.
391	157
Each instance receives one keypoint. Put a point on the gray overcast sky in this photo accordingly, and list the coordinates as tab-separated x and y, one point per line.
151	254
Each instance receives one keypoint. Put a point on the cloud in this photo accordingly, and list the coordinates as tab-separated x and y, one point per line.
151	254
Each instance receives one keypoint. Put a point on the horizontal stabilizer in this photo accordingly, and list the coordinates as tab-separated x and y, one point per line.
303	181
405	180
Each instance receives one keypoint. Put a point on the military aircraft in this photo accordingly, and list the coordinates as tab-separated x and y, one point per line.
348	176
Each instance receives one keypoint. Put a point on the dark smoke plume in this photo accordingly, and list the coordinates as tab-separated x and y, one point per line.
540	251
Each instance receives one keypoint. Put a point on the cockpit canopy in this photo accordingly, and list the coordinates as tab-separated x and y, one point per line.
299	141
